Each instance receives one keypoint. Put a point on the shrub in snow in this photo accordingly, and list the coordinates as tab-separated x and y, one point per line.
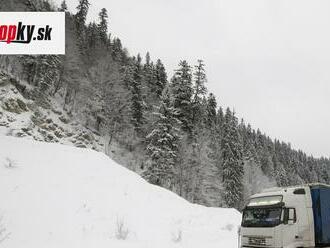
9	163
121	230
228	227
3	231
177	236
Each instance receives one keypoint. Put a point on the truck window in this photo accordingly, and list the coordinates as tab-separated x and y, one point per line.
261	217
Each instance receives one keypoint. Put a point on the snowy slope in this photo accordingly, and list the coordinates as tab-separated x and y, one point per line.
22	117
57	196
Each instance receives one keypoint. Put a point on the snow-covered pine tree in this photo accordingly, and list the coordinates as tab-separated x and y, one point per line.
82	10
280	175
211	111
64	6
191	101
148	70
232	156
266	162
80	17
148	60
216	136
162	145
32	5
181	87
292	170
137	99
103	25
132	80
249	149
211	168
93	43
117	49
199	91
160	77
149	77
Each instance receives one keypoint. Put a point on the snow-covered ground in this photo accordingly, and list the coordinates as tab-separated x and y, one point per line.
53	195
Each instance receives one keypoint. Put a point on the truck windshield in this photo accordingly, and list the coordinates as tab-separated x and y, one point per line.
261	217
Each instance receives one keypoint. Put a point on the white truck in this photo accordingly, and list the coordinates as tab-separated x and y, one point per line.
290	217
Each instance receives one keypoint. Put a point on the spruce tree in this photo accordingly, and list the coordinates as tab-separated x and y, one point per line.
92	35
199	90
232	156
82	10
148	60
182	93
117	49
160	77
162	145
80	17
132	78
149	78
211	109
103	25
220	117
280	175
64	6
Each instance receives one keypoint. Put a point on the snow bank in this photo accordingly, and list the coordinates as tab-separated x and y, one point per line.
56	196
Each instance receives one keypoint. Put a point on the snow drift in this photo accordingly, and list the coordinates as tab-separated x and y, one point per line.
59	196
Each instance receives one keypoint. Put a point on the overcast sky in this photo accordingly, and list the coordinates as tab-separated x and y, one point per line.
267	59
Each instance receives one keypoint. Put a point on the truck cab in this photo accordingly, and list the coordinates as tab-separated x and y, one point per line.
279	218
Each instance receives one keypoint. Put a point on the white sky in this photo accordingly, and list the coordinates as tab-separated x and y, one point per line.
268	59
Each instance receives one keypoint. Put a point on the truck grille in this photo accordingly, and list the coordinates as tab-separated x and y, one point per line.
259	241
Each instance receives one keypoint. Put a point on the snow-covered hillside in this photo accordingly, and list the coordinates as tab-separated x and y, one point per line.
23	117
59	196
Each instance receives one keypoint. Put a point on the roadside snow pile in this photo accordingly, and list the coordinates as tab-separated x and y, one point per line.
59	196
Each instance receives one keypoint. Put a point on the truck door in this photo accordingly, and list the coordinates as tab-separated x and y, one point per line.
290	229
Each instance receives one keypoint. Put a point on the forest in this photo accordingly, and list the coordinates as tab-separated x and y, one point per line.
179	136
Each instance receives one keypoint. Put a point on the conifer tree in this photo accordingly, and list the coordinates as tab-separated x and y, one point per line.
280	175
149	78
117	49
92	36
64	6
82	10
160	77
103	25
211	108
148	60
162	145
199	90
182	93
232	162
80	17
132	79
220	116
